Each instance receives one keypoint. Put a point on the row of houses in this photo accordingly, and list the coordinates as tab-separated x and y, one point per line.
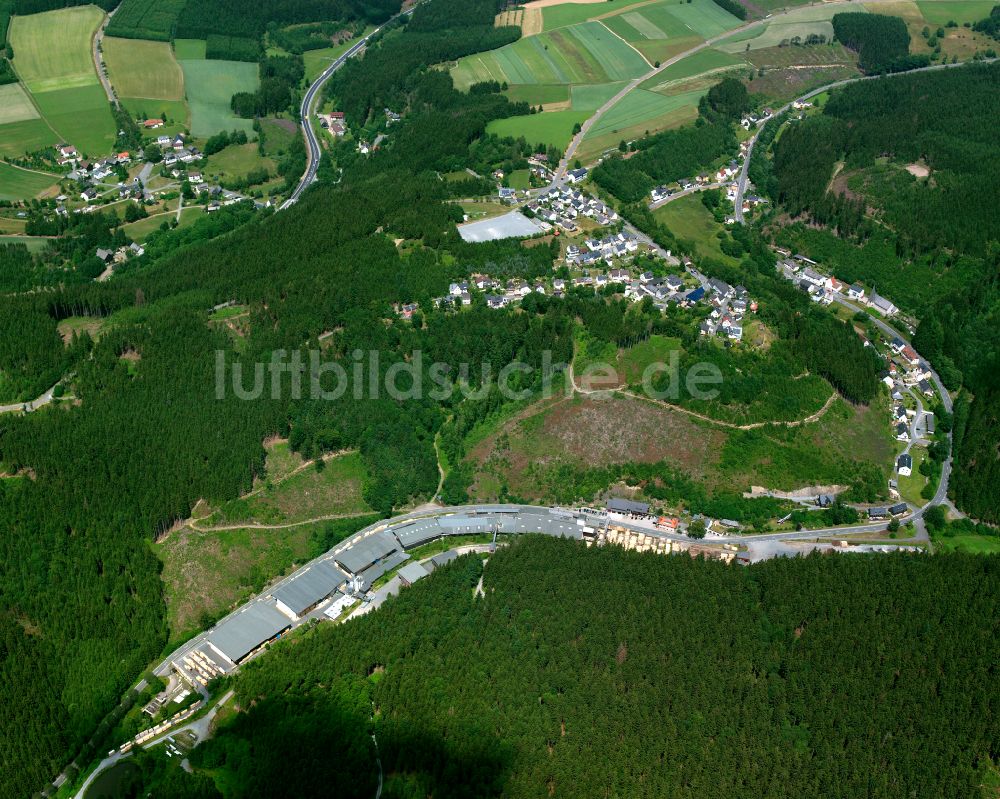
821	288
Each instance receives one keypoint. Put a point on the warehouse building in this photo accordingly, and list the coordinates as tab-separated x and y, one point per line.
297	596
627	507
242	634
367	551
368	577
411	573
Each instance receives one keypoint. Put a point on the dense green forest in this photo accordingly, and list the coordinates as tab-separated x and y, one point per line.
932	245
881	42
164	20
600	672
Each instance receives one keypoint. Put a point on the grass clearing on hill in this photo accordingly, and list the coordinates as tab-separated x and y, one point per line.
141	229
535	94
236	160
638	114
549	447
22	184
940	12
210	86
704	61
689	219
553	128
206	574
307	494
140	69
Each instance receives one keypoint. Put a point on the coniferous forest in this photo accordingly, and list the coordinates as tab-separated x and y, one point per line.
86	485
599	672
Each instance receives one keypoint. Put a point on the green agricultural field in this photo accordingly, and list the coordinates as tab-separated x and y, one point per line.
143	70
140	230
53	57
23	184
553	128
799	22
574	13
18	138
703	17
237	160
210	86
590	98
539	95
15	105
639	112
663	30
189	49
939	12
704	61
81	115
586	53
52	50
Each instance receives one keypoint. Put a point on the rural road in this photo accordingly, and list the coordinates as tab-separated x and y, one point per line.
32	405
743	180
98	54
586	126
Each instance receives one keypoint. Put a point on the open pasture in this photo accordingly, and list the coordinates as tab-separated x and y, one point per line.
638	114
52	49
140	69
940	12
23	184
552	128
210	86
15	105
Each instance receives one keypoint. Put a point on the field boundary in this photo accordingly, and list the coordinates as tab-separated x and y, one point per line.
646	60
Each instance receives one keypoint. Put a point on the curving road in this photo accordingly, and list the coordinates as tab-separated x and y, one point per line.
313	150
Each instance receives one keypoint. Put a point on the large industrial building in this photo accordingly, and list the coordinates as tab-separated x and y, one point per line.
297	596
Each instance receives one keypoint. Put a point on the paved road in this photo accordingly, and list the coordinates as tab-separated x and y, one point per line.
313	150
684	193
33	405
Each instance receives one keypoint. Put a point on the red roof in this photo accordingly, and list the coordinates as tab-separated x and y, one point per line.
152	122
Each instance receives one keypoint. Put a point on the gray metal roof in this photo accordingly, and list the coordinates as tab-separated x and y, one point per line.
362	554
371	574
418	532
620	505
309	587
412	572
441	560
239	635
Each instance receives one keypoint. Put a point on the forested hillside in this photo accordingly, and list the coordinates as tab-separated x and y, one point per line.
86	486
593	672
932	244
